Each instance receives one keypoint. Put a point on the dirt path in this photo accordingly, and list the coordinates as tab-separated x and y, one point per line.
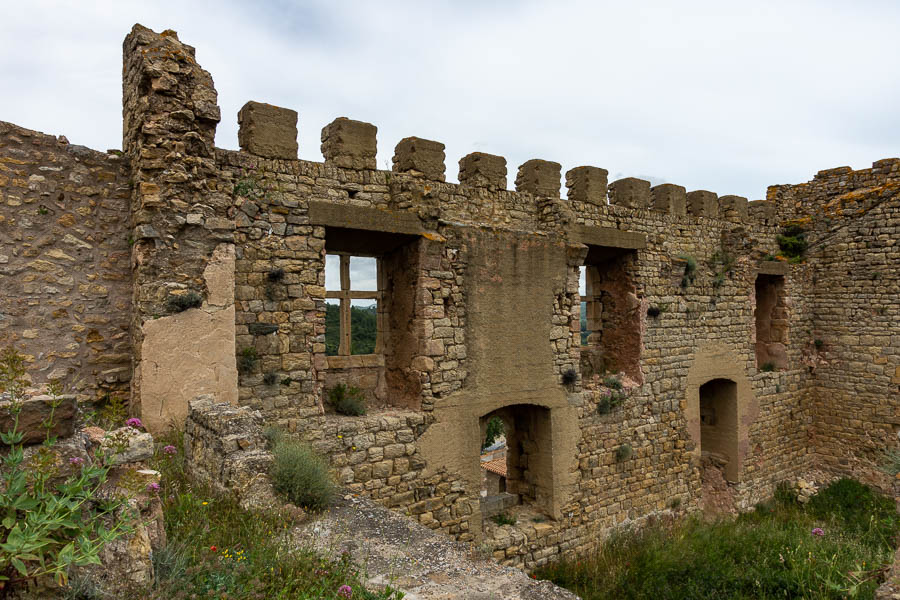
422	563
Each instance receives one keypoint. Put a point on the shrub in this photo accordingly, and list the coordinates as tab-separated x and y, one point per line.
270	378
690	269
181	302
47	528
504	519
247	360
612	397
275	274
300	474
347	400
767	367
892	463
653	312
624	452
819	344
569	377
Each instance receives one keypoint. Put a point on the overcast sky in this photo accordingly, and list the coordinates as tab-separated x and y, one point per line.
716	95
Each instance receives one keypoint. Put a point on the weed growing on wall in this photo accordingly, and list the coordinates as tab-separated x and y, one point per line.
690	269
177	303
247	360
347	400
612	396
792	241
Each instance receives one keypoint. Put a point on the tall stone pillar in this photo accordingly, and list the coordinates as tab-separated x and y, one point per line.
182	239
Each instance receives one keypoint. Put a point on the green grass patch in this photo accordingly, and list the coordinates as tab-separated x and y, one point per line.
835	547
218	550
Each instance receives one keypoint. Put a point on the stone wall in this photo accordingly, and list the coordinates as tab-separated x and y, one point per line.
480	315
853	347
64	261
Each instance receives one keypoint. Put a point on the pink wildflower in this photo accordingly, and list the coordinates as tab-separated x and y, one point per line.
346	591
134	422
76	461
153	487
170	450
818	531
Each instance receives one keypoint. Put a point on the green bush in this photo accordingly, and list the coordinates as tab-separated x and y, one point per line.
300	474
347	400
495	429
48	527
891	464
828	549
504	519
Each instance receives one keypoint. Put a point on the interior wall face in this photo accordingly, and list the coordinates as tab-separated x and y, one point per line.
772	322
483	306
719	427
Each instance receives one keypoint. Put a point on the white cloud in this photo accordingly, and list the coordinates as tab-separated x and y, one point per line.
706	94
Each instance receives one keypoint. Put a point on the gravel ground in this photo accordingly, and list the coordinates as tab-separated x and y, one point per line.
424	564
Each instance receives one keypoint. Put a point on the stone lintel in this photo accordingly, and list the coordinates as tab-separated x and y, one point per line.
483	170
630	192
330	214
349	144
609	237
587	185
268	131
774	267
420	157
539	177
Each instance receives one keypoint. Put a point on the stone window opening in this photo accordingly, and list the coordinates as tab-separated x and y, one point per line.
772	325
719	427
353	303
610	314
370	287
516	469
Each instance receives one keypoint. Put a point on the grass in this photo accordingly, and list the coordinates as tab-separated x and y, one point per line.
217	550
504	519
772	552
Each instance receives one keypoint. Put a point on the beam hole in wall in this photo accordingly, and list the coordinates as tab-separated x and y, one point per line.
370	282
610	314
516	466
719	426
772	325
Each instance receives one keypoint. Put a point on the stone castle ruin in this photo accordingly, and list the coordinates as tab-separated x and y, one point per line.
174	270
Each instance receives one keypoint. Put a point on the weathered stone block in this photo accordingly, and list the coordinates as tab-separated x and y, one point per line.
630	192
423	158
587	184
349	144
35	411
733	208
539	177
669	198
483	170
702	203
267	130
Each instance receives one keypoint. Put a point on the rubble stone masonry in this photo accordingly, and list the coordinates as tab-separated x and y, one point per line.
191	270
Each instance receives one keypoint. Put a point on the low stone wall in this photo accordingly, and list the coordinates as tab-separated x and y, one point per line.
224	447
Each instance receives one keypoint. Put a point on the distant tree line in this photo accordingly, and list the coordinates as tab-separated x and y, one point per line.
363	329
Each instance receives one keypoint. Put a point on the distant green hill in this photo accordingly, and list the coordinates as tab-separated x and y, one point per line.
363	329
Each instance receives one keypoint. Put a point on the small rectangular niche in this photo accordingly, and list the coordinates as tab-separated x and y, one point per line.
610	314
772	324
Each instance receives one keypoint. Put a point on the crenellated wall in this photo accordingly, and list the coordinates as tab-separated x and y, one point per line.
480	314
